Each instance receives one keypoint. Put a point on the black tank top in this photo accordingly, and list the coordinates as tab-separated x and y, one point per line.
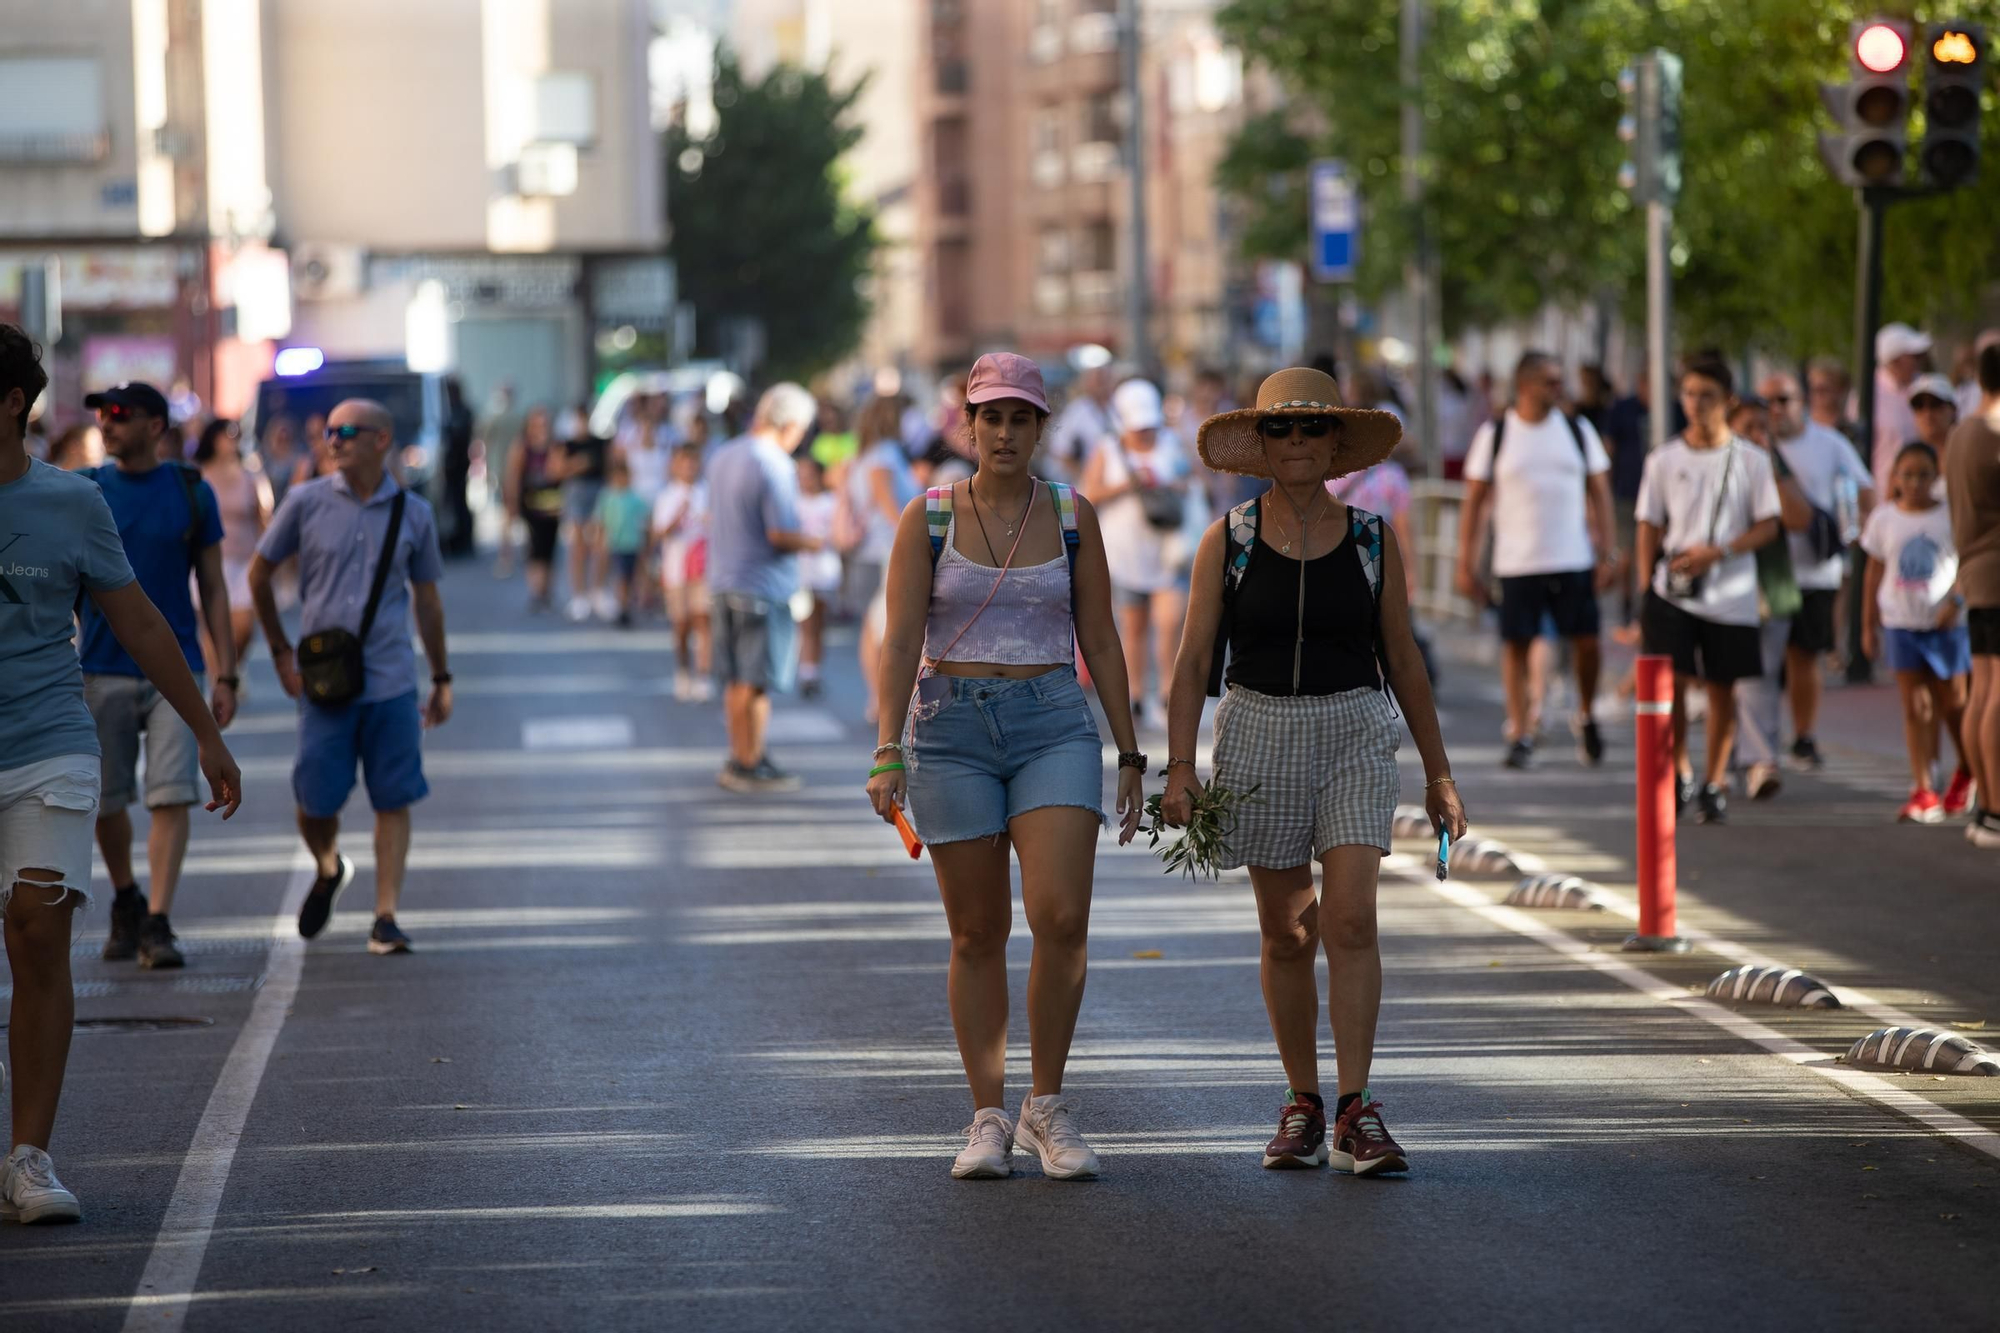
1339	649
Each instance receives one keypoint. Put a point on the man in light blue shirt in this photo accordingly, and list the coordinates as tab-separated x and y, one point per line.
753	542
339	526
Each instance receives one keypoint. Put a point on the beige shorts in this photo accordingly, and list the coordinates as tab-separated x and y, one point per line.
685	601
126	708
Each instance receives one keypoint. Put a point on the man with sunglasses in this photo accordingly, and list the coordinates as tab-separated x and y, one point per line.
1544	477
1837	483
340	528
171	527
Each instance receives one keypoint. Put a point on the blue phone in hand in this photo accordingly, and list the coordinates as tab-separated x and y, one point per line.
1444	851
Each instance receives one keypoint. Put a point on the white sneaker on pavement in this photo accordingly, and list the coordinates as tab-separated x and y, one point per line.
577	611
989	1147
1046	1130
605	603
683	687
30	1192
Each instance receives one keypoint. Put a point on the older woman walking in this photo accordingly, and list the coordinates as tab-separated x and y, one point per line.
1291	583
991	582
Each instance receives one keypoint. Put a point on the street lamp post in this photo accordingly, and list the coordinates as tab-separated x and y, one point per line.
1139	348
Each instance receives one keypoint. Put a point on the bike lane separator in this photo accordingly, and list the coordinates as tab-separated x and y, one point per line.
1861	1084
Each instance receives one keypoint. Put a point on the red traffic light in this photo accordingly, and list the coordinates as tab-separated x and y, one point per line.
1880	48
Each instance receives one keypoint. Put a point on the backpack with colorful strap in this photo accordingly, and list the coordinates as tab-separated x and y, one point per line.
937	517
1364	534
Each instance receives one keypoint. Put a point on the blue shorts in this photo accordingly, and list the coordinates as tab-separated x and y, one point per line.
1939	653
385	738
982	750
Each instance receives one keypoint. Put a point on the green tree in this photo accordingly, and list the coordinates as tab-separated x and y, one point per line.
1521	105
761	229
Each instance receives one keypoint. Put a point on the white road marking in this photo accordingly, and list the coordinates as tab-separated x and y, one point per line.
609	732
1876	1089
804	726
167	1285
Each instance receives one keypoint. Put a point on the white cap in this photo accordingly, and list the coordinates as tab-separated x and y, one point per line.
1932	385
1136	404
1894	340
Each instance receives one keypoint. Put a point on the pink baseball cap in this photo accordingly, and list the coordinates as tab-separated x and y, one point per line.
1000	375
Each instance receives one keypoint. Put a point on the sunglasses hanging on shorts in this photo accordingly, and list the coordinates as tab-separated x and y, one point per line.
1280	428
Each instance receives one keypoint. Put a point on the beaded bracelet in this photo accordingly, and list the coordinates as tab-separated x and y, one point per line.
880	769
886	746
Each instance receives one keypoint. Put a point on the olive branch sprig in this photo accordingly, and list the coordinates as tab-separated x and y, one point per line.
1200	847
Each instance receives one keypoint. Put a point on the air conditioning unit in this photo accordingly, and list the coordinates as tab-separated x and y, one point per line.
323	272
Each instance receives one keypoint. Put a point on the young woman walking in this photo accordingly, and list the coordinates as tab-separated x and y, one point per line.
1293	585
244	495
993	583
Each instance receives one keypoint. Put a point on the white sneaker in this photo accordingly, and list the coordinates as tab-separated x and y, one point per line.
605	603
577	611
1156	714
1984	833
30	1192
683	687
1046	1131
989	1147
703	691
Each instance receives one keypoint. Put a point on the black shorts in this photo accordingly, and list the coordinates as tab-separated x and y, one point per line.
542	530
1812	627
1704	649
1568	599
1984	623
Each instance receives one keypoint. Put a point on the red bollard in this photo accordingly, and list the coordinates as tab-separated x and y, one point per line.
1654	747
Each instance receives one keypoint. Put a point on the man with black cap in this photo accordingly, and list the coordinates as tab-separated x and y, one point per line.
171	527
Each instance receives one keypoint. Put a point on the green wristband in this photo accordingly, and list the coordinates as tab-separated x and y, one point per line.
880	769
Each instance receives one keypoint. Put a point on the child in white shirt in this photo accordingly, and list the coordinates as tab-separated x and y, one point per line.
1914	613
680	527
819	571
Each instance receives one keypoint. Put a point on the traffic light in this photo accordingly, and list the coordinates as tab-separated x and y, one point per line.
1954	70
1651	128
1873	107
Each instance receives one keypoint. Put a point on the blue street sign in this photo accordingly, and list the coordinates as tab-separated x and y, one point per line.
1336	222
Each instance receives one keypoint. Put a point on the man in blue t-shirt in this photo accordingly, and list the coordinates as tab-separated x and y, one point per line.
171	527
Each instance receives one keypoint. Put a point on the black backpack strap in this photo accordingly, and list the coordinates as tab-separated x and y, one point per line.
191	486
387	559
1499	438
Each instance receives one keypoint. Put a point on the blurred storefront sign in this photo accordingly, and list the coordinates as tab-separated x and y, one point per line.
116	359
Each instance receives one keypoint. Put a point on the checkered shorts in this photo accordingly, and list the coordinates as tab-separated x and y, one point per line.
1324	767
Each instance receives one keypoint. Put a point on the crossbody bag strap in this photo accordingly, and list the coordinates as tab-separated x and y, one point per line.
387	559
1722	491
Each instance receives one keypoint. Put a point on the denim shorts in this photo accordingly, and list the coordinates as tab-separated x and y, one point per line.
385	737
983	749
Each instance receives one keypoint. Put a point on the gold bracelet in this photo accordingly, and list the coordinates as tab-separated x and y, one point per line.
1439	782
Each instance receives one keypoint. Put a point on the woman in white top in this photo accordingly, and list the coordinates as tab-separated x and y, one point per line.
1140	482
880	485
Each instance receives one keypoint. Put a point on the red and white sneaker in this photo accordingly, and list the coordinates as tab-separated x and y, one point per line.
1923	807
1960	796
1361	1142
1301	1138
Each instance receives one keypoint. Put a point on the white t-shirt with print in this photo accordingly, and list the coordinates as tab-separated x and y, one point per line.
678	498
1679	494
1540	515
1919	563
1819	457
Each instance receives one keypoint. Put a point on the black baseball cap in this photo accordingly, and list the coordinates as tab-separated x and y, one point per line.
142	397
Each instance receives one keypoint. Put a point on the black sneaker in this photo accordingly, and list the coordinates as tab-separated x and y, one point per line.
1590	745
1712	807
767	776
736	777
387	937
809	689
128	913
157	946
318	905
1806	755
1685	790
1521	754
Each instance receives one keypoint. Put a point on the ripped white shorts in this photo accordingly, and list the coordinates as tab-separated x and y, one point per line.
48	813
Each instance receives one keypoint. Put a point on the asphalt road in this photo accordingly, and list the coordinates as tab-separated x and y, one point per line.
667	1058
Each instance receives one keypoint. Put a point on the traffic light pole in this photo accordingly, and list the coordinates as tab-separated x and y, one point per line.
1659	319
1875	202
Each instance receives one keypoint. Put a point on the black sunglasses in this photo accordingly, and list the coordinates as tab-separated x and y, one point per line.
1281	428
349	432
1781	398
117	412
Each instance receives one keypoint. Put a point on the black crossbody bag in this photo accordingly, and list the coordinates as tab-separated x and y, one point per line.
330	661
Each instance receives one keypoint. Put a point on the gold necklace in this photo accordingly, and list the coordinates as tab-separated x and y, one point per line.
1305	521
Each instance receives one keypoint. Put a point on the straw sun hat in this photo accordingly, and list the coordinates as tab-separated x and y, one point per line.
1229	441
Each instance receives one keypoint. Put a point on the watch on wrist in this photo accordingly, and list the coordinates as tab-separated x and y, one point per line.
233	682
441	678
